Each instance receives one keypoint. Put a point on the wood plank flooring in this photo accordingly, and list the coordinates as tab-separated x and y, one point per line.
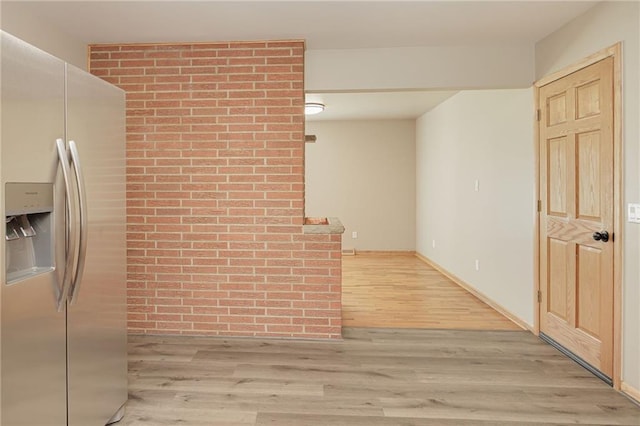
374	377
401	291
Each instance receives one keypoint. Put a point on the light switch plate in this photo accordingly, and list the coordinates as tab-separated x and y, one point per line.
633	213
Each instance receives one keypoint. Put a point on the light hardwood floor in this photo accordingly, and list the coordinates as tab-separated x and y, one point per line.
375	377
401	291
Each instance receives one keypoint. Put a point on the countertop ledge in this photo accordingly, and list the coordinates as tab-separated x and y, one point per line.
334	227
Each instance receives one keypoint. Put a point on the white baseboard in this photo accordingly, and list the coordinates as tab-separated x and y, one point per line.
387	252
505	312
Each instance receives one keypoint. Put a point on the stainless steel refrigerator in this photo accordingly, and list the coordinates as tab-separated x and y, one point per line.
63	292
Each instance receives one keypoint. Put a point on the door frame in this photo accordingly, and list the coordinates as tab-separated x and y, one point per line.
615	52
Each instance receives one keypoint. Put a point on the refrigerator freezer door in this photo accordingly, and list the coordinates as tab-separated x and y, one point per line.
33	348
96	329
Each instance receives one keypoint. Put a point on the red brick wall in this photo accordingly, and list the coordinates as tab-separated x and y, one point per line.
215	177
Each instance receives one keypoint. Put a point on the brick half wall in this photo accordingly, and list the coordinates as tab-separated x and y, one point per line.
215	192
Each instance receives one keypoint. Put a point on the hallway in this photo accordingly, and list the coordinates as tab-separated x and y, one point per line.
401	291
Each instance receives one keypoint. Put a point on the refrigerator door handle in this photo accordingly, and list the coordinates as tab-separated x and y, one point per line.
82	199
71	231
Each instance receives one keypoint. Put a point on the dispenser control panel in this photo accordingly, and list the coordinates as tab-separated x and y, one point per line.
26	198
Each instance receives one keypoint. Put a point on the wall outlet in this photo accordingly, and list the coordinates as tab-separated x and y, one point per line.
477	265
477	185
433	243
354	234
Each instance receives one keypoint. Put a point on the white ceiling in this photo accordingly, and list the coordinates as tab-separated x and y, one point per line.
322	24
378	105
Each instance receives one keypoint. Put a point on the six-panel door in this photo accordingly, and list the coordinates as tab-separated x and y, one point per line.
576	171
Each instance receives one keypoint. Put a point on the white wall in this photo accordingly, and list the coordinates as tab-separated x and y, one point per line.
42	34
485	136
363	172
433	67
603	26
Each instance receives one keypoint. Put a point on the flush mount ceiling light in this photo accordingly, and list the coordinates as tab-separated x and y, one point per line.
311	108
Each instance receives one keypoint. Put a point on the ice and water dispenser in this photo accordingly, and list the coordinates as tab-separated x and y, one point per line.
29	226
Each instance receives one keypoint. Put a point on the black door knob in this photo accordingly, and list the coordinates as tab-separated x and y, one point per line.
601	236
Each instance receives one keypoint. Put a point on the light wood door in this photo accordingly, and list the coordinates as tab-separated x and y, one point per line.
576	171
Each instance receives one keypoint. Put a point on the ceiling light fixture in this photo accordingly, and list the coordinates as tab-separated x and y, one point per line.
311	108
